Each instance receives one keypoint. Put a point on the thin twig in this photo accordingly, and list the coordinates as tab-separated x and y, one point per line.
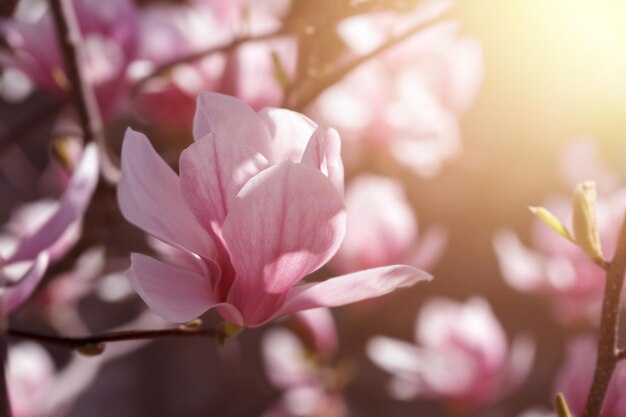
83	96
608	352
195	56
298	98
79	342
5	405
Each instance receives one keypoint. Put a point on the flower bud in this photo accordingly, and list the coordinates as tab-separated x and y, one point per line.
562	410
91	349
551	220
586	221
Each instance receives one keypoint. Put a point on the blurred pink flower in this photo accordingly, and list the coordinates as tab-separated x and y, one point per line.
44	231
317	328
574	379
257	207
108	29
30	375
555	267
580	161
169	32
301	377
462	356
408	100
382	230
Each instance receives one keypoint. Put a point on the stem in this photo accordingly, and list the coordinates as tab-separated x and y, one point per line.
82	93
195	56
5	405
78	342
338	74
608	352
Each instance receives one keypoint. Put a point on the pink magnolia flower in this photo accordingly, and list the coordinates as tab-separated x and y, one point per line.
409	99
462	356
108	29
574	379
303	377
257	207
382	230
169	32
556	268
43	232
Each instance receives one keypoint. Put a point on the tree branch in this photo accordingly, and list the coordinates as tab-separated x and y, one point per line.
195	56
299	100
83	96
82	342
608	352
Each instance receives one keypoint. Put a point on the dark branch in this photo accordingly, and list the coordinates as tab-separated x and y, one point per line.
608	353
195	56
82	93
81	342
298	96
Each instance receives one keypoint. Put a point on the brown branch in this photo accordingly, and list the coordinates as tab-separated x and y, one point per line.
82	93
5	404
82	342
299	100
195	56
608	352
621	354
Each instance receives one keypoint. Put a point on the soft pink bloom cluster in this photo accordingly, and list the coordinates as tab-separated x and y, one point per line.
257	207
556	268
574	379
300	373
408	100
168	32
382	229
108	29
44	231
462	356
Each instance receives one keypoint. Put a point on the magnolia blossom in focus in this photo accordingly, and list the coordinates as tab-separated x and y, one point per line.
382	230
574	379
257	207
44	231
108	29
462	356
558	269
302	375
169	32
408	100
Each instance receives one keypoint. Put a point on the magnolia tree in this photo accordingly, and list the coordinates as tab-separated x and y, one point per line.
232	171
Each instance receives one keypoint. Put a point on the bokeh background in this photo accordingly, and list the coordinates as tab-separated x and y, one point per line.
554	71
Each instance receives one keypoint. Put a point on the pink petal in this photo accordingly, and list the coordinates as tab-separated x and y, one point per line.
230	119
285	361
212	171
149	197
71	208
285	223
351	288
289	131
324	152
395	356
429	248
521	268
14	296
176	294
319	326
